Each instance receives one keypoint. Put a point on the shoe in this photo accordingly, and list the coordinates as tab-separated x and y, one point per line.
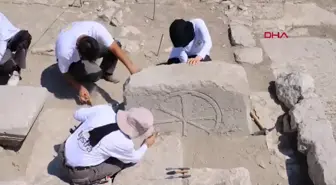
14	79
110	78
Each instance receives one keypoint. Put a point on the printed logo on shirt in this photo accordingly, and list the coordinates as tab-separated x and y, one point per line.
83	141
199	43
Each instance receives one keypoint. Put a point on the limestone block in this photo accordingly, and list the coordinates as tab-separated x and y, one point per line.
167	152
19	109
240	35
210	97
235	176
316	140
253	55
292	87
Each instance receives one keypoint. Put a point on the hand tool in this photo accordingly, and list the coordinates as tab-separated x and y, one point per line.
174	171
263	131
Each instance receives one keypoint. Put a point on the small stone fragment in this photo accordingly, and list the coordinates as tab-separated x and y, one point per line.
252	55
47	50
287	126
117	20
131	46
293	87
240	35
106	15
125	30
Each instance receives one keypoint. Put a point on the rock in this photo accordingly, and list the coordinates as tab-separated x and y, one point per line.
252	55
125	30
312	55
131	46
210	176
239	17
21	106
267	10
117	19
315	139
204	92
46	50
149	170
293	87
307	14
262	26
298	32
287	126
107	15
241	36
108	4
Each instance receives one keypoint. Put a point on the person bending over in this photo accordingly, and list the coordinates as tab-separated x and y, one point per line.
14	44
191	41
78	47
102	144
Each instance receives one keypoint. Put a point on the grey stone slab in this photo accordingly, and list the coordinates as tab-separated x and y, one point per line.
274	10
166	152
20	107
315	139
251	55
211	97
241	35
208	176
315	56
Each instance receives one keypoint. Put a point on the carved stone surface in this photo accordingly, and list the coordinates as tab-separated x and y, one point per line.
167	152
212	97
19	109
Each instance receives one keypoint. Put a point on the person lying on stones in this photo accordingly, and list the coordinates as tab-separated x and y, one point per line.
191	41
78	47
14	44
101	146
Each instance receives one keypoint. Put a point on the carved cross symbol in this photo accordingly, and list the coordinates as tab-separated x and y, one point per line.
182	116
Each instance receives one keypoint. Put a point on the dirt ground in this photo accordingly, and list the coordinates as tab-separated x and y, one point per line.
35	164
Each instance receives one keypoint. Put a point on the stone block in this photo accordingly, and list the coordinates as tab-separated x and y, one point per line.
316	140
253	55
211	97
293	87
20	107
241	35
208	176
166	152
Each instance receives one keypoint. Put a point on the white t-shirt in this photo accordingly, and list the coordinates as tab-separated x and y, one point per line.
200	46
66	51
78	151
7	31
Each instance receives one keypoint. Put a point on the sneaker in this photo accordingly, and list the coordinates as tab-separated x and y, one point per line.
14	79
111	78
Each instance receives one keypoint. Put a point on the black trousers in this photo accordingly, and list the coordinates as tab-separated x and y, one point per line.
86	71
15	55
177	60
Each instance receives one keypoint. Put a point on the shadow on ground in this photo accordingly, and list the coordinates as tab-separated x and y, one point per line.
296	164
54	82
55	167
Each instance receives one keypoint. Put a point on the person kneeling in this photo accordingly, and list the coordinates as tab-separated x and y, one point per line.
102	146
14	44
191	41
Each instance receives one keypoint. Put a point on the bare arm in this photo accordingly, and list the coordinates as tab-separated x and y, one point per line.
121	55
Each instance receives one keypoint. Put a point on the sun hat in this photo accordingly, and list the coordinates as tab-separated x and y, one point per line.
136	122
181	32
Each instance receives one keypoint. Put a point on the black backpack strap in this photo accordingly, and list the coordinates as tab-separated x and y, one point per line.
99	133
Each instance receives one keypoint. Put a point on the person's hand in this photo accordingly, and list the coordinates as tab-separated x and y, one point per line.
134	70
150	140
84	95
194	61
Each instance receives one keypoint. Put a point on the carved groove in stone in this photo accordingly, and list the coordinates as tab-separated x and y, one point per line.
181	116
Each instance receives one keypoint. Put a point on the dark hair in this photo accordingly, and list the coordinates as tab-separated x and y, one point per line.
181	32
88	48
